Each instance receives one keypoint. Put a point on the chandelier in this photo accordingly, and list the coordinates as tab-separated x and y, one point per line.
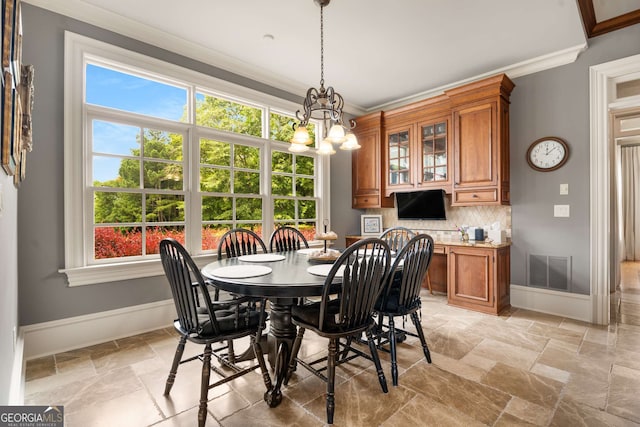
325	105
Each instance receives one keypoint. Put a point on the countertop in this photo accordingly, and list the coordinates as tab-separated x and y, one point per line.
453	242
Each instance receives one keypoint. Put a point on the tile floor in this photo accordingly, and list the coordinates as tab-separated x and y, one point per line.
522	368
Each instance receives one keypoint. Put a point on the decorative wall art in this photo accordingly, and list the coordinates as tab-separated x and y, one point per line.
17	95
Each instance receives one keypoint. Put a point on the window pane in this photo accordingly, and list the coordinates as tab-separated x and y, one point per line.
117	242
246	183
248	209
282	185
115	138
217	208
304	187
112	207
162	145
281	162
256	228
221	114
164	207
308	229
307	209
116	172
246	157
211	235
284	209
115	89
163	176
215	180
153	236
215	152
281	127
304	165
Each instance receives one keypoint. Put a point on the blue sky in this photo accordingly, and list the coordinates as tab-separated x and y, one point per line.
125	92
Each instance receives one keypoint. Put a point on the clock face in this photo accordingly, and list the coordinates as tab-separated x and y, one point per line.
547	154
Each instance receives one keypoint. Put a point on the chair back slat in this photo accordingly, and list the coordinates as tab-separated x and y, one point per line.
284	239
412	262
397	237
366	264
240	241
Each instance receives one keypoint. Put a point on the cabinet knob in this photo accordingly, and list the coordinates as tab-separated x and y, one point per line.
475	196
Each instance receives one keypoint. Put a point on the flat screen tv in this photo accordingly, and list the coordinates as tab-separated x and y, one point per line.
427	204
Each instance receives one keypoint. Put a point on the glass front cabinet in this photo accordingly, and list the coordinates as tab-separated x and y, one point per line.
417	155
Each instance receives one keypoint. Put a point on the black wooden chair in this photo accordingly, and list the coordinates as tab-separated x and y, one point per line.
203	321
401	296
345	309
284	239
240	241
397	238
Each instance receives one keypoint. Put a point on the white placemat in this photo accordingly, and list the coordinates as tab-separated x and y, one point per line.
323	270
261	258
307	251
240	271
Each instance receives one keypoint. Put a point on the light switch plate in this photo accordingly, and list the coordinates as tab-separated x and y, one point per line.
561	211
564	189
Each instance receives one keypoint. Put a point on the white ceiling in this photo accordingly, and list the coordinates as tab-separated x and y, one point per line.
377	53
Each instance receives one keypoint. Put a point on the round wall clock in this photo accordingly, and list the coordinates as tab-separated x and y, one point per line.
547	154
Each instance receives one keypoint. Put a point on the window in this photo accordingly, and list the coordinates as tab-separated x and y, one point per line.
156	150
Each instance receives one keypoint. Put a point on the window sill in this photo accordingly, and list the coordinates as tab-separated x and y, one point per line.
105	273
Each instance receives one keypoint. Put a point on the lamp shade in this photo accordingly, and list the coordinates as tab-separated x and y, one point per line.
301	136
350	143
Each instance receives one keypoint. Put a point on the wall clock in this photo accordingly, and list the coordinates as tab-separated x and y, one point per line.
547	154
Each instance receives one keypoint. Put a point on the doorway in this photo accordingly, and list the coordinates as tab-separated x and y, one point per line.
604	239
626	137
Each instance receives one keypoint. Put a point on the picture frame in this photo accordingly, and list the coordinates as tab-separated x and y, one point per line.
370	225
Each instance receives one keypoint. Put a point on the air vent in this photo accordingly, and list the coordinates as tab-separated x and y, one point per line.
552	272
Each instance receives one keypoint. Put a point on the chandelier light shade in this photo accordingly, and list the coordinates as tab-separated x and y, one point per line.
325	105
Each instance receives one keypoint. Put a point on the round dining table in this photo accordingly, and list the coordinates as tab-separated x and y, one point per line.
283	278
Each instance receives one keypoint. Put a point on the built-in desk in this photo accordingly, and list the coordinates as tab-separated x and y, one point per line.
475	276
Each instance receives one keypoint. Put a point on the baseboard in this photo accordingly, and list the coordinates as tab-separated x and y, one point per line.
565	304
48	338
16	386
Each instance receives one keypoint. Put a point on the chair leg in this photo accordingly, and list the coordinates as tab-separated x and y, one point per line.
294	355
231	354
423	341
204	386
331	378
260	356
174	366
392	345
376	361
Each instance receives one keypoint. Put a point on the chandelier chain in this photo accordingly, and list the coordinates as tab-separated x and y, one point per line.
321	46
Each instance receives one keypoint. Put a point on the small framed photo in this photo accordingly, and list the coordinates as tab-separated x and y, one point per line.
370	225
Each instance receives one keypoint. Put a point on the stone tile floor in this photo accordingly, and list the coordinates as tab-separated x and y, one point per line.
522	368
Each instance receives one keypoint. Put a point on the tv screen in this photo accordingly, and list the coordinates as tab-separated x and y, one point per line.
427	204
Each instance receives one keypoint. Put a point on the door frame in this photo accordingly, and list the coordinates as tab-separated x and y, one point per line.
602	79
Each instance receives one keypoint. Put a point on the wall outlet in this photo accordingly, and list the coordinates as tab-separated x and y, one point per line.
564	189
561	211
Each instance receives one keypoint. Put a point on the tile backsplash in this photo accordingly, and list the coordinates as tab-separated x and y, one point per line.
473	216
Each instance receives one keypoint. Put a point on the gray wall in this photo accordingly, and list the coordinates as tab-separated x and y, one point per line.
9	281
556	103
43	292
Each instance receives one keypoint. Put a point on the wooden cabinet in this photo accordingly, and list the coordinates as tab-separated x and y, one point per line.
480	131
366	183
478	278
417	147
437	270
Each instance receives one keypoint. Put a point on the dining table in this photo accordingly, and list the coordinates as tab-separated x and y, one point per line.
282	278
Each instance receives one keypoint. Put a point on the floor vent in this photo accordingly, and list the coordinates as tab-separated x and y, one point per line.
552	272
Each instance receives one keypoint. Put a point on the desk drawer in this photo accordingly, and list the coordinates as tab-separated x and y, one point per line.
475	196
439	249
368	201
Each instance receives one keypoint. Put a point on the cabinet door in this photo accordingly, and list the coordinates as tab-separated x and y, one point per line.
399	153
366	164
433	154
475	146
471	279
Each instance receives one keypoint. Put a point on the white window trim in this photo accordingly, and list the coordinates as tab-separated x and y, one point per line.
77	50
